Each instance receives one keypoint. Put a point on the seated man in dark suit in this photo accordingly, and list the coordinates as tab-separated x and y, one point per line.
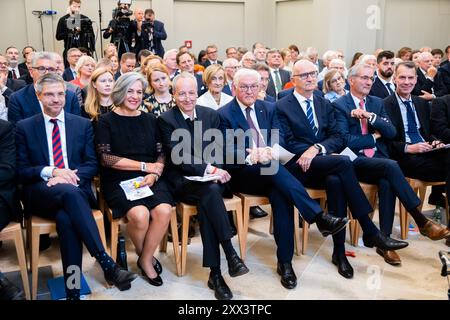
310	132
24	103
56	163
215	228
185	61
252	171
73	55
411	117
12	54
383	85
365	125
211	52
12	85
9	207
278	77
127	64
429	81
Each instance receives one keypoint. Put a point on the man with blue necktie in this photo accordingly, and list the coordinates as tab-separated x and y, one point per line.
383	86
310	132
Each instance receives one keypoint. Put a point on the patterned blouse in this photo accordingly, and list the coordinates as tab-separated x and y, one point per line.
150	104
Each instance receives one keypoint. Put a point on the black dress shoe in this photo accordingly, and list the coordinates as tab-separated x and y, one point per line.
8	291
288	277
120	278
344	267
221	290
257	212
156	281
157	266
236	266
383	242
329	225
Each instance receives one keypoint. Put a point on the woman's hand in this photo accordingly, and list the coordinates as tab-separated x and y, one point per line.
149	180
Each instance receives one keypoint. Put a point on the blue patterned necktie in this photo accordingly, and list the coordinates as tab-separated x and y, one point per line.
310	116
413	133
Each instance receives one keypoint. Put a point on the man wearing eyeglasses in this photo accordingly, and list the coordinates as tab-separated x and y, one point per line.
365	126
211	52
24	103
310	132
251	127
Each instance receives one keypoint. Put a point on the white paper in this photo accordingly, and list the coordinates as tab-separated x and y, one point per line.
349	153
436	149
133	191
281	154
206	178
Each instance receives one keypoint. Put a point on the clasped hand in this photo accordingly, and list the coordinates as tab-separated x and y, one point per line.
307	157
360	114
260	155
61	176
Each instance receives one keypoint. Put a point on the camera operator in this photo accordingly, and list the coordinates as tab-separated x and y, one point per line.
119	28
149	33
75	29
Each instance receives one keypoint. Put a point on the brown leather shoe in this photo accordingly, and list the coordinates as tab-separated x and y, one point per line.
434	231
390	256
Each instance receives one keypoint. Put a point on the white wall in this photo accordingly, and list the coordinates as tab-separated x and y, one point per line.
325	24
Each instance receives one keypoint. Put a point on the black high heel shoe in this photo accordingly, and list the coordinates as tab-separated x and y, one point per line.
157	266
157	281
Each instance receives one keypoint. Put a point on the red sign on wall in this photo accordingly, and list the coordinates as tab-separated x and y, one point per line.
188	44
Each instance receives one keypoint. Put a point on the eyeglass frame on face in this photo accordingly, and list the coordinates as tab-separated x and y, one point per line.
333	81
244	88
304	76
365	78
44	70
185	95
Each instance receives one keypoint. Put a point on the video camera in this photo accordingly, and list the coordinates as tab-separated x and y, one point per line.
121	15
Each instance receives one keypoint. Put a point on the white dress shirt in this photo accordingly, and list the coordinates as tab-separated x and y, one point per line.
272	73
302	101
16	71
207	100
384	82
404	113
46	173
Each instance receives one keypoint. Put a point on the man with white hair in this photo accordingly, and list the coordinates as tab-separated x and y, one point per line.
259	119
429	84
170	61
230	65
313	56
260	54
328	56
337	64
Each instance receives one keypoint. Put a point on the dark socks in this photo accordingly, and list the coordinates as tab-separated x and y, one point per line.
215	271
105	261
228	248
418	217
73	294
367	225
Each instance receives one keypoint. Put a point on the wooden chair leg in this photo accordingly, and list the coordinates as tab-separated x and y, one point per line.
244	223
305	226
34	261
175	242
163	243
184	242
101	230
297	233
271	223
20	249
242	243
114	238
404	222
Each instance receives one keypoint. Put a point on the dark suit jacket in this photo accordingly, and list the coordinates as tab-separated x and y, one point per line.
24	104
445	77
440	118
270	99
298	135
33	156
397	144
231	117
171	120
201	87
379	89
285	77
427	85
227	90
208	63
22	72
287	92
142	41
7	170
350	127
15	84
68	75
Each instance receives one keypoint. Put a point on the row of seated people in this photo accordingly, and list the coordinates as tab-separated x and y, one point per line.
131	142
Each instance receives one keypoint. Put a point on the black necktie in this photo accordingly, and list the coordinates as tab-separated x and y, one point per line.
388	85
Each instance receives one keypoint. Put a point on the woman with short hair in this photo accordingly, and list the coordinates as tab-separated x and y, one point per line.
214	78
334	85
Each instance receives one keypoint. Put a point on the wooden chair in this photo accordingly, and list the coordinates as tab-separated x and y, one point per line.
371	192
420	187
37	226
187	211
13	231
115	225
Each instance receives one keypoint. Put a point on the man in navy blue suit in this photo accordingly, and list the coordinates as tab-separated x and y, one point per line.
261	176
310	132
383	86
56	163
365	125
24	103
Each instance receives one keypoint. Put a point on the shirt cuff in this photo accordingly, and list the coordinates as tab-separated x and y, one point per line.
373	118
47	173
323	150
248	161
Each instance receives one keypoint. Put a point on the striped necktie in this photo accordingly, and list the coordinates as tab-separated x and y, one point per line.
58	159
310	116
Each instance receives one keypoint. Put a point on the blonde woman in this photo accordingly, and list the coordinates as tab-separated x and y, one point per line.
114	63
334	85
158	98
214	78
98	100
84	68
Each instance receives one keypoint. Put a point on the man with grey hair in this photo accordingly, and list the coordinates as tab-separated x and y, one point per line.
212	54
278	77
187	120
429	83
261	174
313	56
56	162
230	65
24	103
170	61
260	54
69	86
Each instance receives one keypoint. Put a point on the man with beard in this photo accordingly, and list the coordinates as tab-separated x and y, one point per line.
383	86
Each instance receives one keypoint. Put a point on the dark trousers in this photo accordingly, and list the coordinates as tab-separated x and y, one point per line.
337	176
212	216
284	192
387	175
5	215
75	225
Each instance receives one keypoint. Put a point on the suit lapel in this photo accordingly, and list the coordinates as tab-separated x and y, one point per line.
41	135
397	116
261	116
350	106
239	116
421	115
32	101
319	112
70	136
297	109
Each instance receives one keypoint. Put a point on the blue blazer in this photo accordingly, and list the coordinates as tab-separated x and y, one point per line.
24	104
298	134
379	89
33	156
350	127
231	117
68	75
227	90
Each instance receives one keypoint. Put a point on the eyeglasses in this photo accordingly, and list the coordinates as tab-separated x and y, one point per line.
366	78
185	95
245	88
305	76
3	63
336	80
211	52
43	70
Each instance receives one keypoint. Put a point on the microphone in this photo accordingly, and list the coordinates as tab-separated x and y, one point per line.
49	12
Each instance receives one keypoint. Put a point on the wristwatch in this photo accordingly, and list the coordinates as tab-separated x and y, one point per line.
316	145
143	167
